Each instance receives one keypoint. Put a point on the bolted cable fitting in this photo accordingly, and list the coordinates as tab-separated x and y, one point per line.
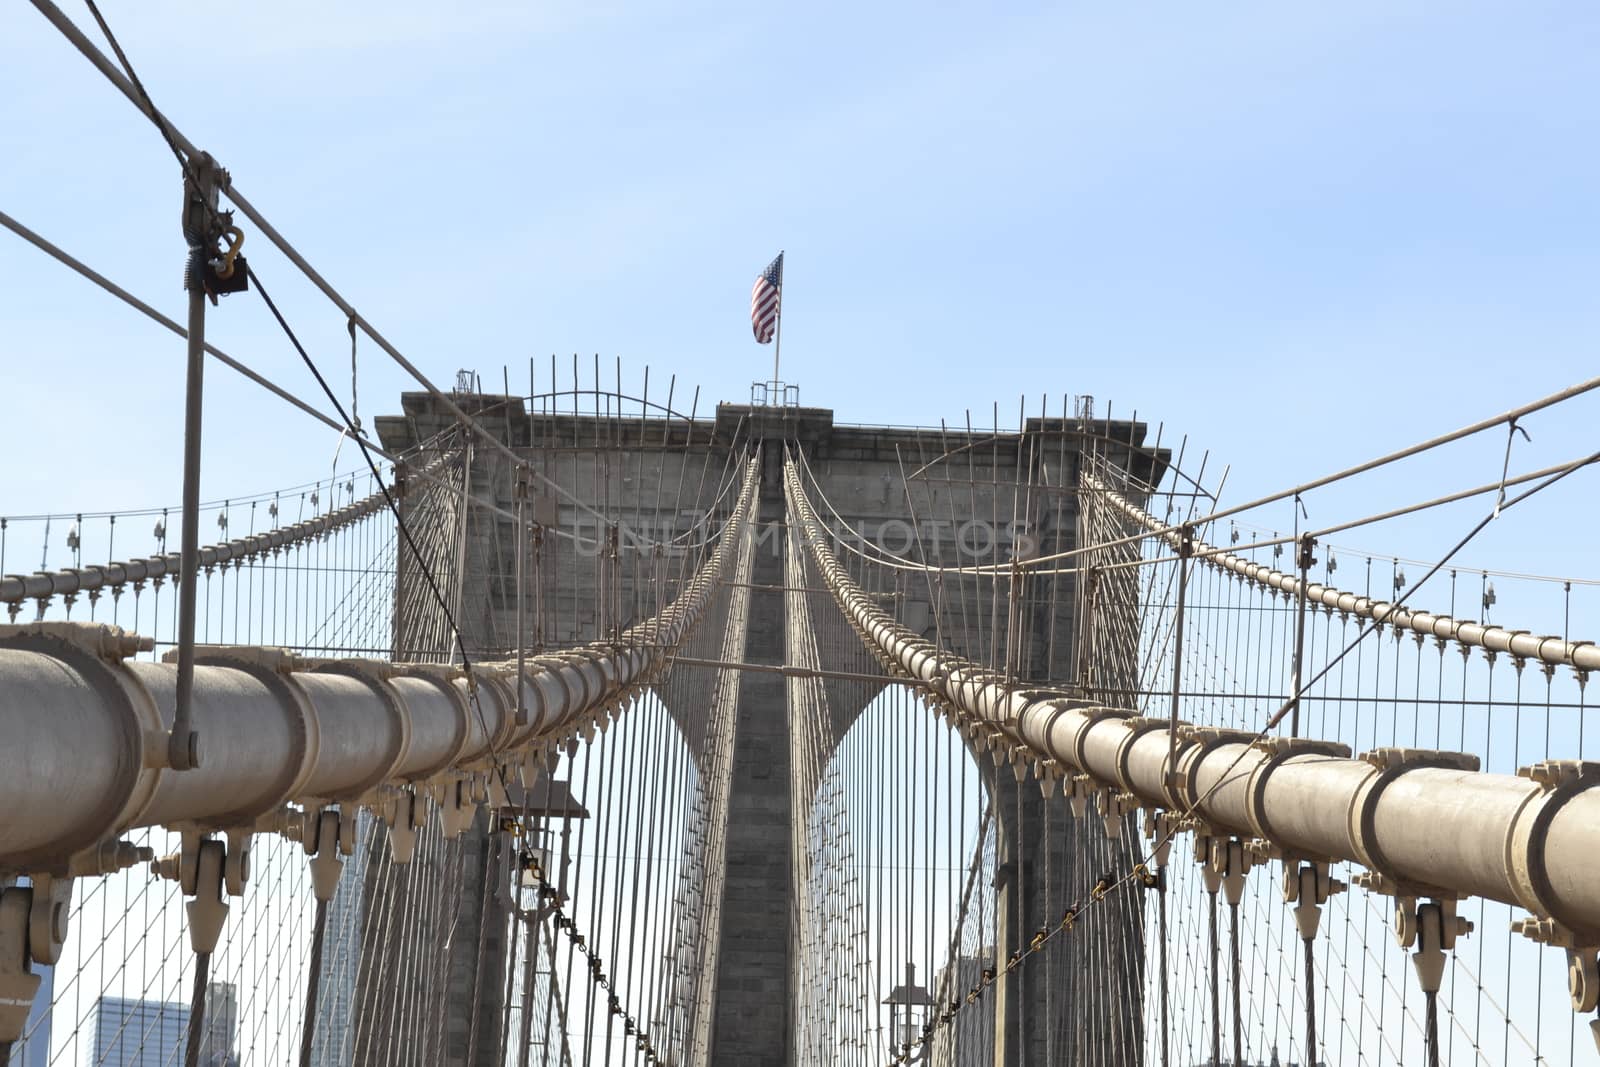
1308	885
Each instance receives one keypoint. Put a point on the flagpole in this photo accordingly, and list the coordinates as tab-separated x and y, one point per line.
777	349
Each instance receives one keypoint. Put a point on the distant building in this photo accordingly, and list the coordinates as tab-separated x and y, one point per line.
139	1033
153	1033
220	1032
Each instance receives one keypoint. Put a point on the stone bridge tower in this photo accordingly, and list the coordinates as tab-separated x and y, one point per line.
974	497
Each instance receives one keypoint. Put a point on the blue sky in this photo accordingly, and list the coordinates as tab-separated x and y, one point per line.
1302	235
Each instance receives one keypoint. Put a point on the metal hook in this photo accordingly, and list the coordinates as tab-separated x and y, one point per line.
235	238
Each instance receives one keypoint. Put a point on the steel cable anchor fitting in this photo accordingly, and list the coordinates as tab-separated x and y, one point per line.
1308	885
1561	778
1227	862
404	811
328	835
208	871
33	928
1583	967
1433	928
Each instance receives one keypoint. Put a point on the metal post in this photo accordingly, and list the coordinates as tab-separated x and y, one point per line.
456	638
1307	542
200	229
777	346
522	477
1185	551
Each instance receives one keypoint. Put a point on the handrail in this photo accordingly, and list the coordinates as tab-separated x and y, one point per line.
83	728
43	585
1581	655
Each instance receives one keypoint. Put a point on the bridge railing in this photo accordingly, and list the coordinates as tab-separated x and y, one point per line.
1426	828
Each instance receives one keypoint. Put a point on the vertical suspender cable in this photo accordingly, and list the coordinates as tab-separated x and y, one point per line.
1216	990
491	841
1311	1003
197	1009
1166	1028
1233	945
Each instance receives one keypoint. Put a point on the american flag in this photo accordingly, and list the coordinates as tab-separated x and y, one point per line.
764	300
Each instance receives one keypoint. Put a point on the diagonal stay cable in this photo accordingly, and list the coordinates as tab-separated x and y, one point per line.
202	959
1213	553
175	138
1226	777
569	927
90	274
496	762
185	148
128	298
383	487
1140	872
1504	418
1374	625
1549	649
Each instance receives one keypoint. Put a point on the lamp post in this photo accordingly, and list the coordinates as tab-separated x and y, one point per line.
911	996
